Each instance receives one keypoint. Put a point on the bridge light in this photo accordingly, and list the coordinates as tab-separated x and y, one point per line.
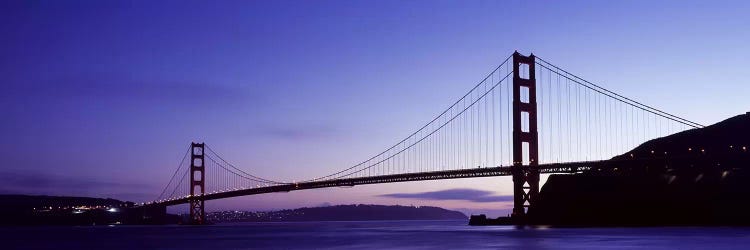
690	149
652	151
703	151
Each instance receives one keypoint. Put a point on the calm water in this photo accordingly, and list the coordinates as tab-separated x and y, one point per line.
368	235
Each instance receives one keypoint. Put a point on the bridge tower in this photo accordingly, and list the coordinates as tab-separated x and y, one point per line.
197	177
525	137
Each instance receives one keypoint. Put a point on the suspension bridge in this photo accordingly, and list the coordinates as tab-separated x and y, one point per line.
525	118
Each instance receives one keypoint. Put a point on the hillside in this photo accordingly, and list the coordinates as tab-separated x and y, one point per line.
709	186
713	139
61	210
15	202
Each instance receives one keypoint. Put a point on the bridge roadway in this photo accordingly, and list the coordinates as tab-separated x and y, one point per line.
555	168
733	159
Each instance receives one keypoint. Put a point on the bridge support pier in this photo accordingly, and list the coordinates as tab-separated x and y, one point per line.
525	163
197	181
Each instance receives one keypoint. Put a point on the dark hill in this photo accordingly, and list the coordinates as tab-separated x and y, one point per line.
18	203
59	210
67	210
709	187
714	139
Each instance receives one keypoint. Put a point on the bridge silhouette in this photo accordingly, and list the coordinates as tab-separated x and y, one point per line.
525	118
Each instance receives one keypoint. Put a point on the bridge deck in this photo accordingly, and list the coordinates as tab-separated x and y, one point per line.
552	168
421	176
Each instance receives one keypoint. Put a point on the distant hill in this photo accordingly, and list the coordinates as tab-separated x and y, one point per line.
340	213
15	202
710	186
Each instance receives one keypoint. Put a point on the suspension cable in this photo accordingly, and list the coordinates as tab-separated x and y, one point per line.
619	97
434	131
240	170
420	129
179	166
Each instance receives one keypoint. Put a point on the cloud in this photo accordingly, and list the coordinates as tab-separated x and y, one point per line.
40	183
40	180
298	132
100	87
465	194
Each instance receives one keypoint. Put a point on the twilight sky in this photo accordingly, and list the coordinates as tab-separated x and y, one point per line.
101	98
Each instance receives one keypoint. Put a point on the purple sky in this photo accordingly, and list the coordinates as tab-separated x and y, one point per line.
101	98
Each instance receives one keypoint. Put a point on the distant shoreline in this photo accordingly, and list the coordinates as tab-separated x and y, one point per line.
359	212
42	210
